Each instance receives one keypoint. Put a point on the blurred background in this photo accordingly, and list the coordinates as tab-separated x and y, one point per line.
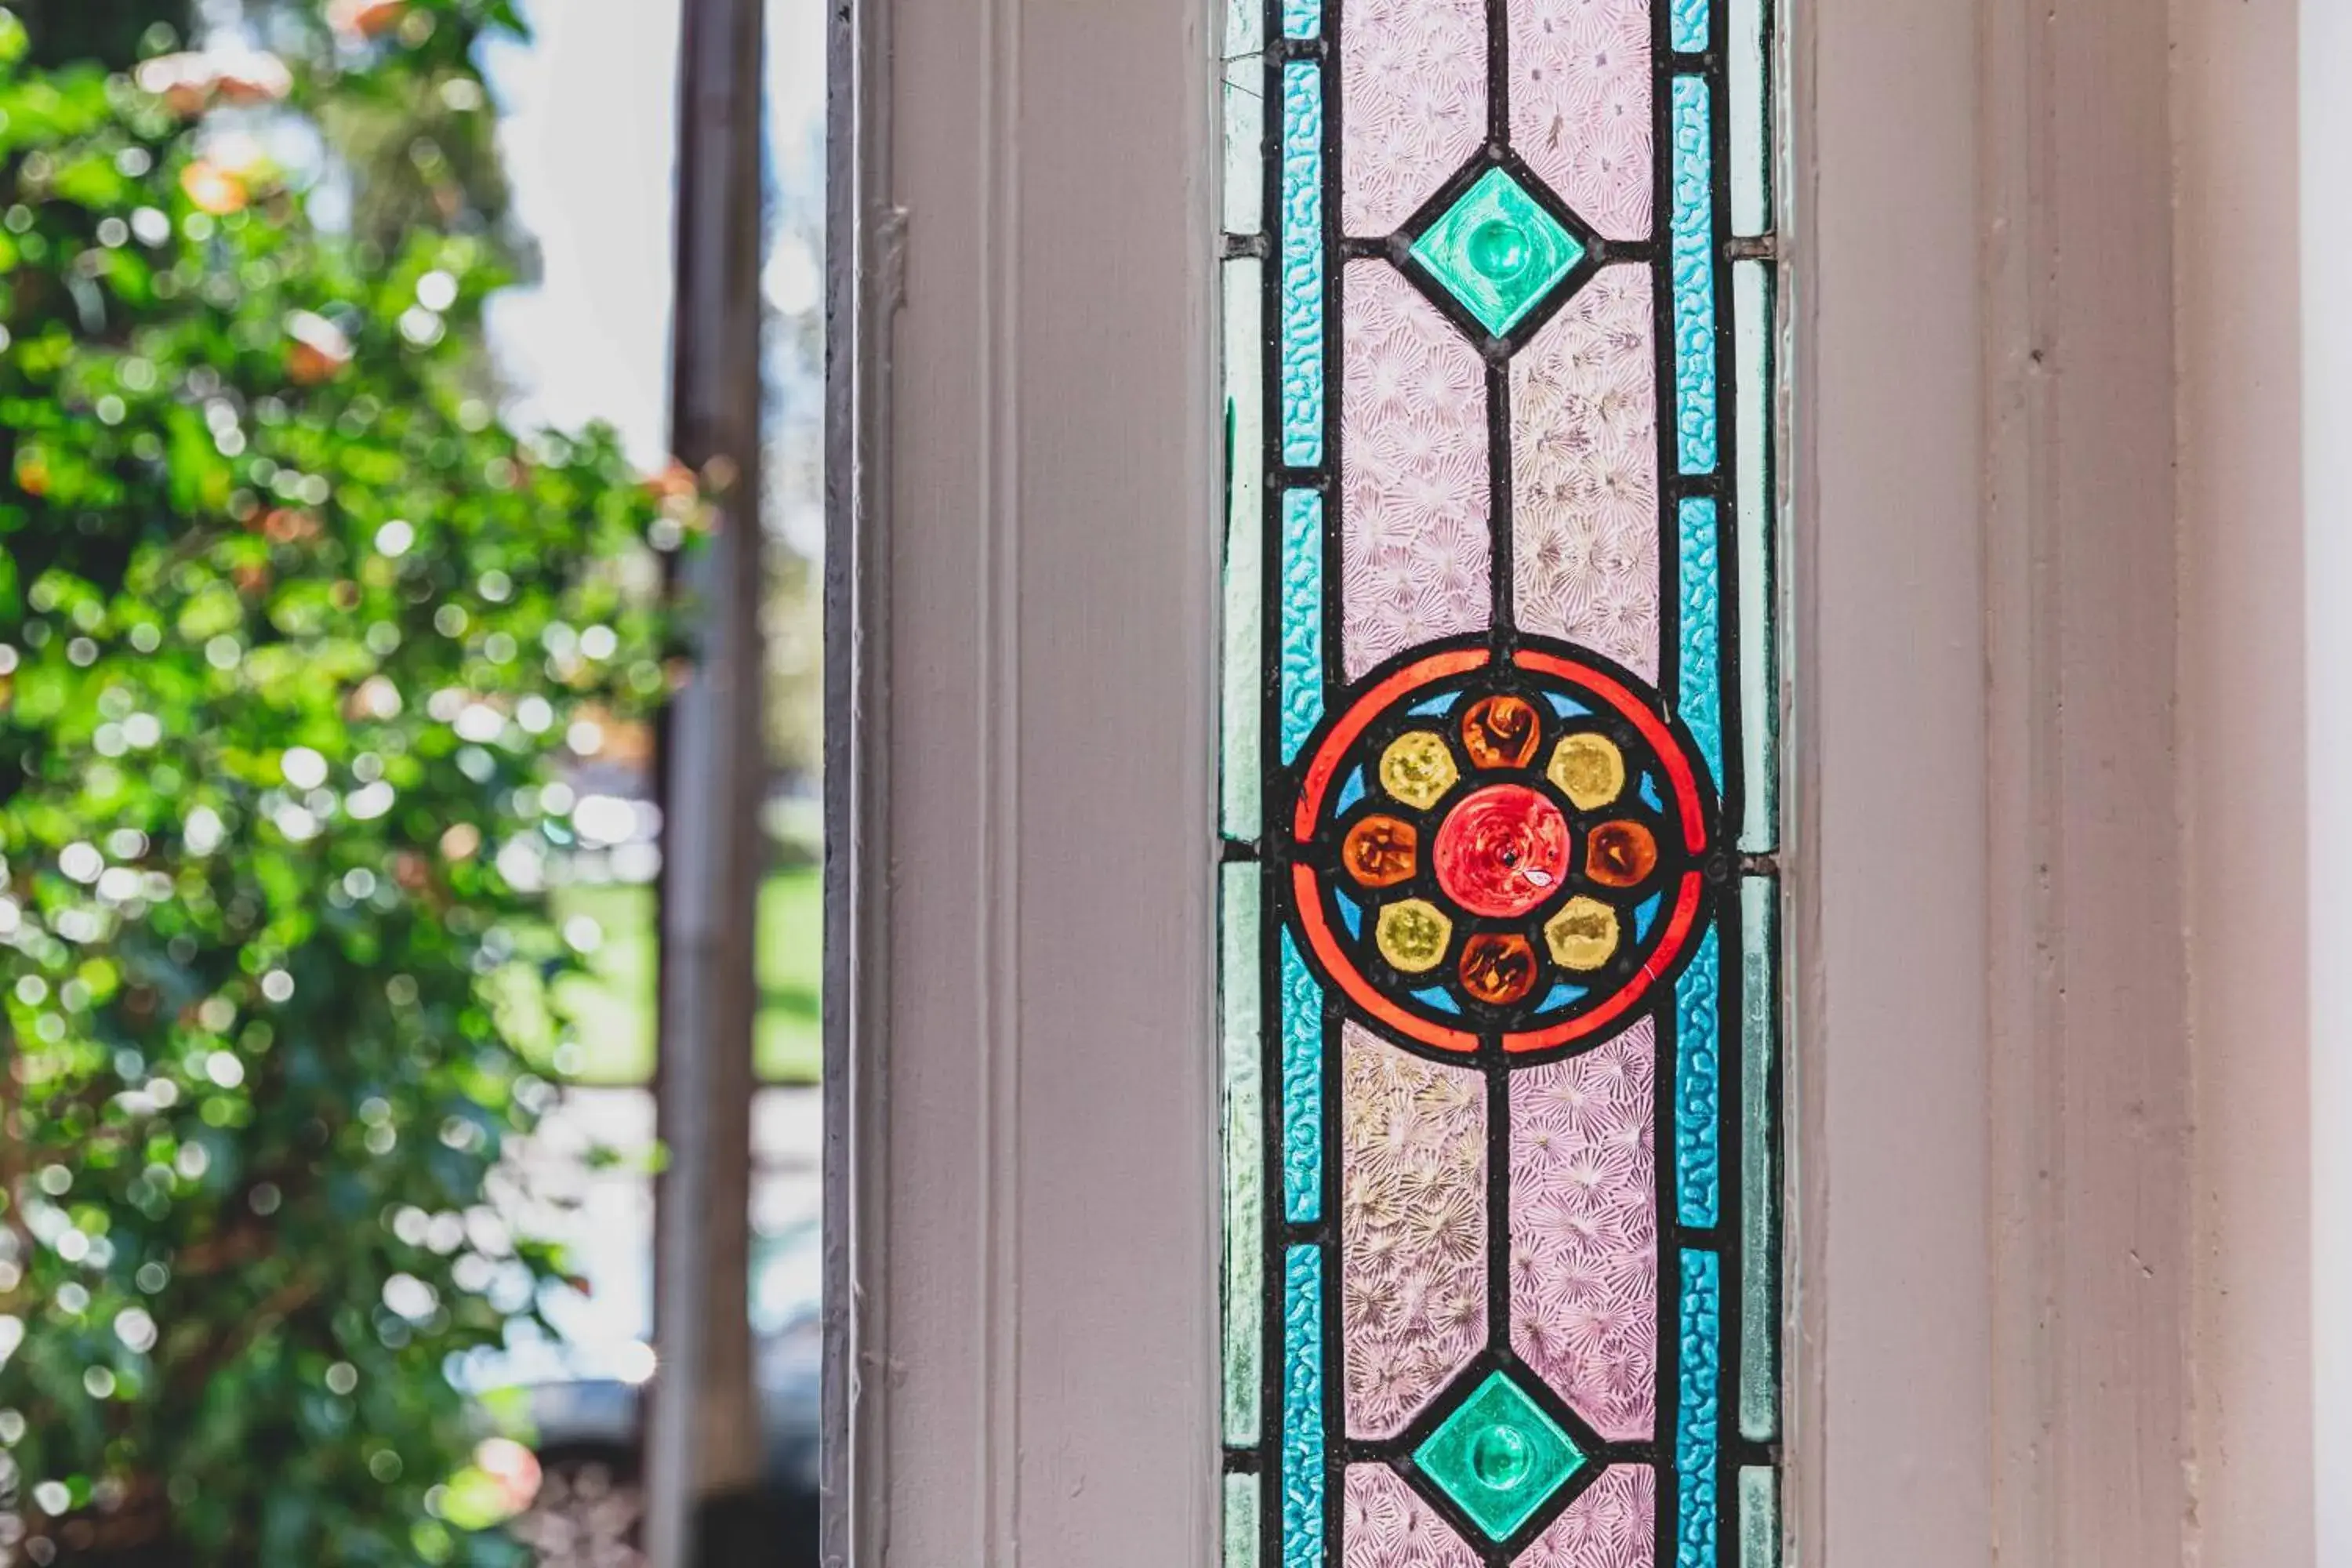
357	609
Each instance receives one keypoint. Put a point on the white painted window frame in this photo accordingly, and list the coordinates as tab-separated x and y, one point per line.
2058	1234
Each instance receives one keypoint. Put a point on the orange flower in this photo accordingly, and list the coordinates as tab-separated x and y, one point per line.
286	525
213	188
319	350
366	18
188	82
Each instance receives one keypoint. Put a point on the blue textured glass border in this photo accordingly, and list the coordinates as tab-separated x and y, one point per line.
1687	26
1699	685
1302	18
1694	269
1698	1095
1695	1442
1302	619
1302	1088
1302	1408
1302	263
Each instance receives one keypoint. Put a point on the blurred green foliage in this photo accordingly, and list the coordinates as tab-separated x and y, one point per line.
611	1006
296	640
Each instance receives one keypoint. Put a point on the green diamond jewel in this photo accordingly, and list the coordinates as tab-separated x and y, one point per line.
1499	1456
1498	252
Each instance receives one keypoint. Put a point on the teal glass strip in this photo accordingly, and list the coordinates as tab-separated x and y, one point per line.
1687	26
1242	772
1694	278
1244	1173
1302	1088
1699	1085
1695	1442
1302	18
1759	665
1302	1409
1700	702
1302	619
1751	162
1240	1521
1302	263
1759	1278
1759	1517
1244	97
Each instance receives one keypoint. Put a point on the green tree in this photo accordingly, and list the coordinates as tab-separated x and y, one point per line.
295	638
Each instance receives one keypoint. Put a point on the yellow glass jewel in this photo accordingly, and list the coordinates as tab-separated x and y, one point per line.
1418	769
1589	769
1582	935
1414	935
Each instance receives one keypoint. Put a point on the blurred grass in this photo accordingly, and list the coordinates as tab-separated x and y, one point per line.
612	1010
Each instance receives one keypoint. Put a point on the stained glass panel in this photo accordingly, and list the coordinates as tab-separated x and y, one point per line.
1501	1045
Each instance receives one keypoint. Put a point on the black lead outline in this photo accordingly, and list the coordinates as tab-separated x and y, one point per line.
1722	905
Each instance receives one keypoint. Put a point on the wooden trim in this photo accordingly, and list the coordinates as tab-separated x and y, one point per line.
1025	1095
2255	831
1890	1430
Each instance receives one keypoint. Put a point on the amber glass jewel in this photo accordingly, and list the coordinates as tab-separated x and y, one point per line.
1381	851
1499	968
1500	731
1620	854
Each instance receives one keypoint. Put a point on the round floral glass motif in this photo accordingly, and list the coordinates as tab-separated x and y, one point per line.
1505	852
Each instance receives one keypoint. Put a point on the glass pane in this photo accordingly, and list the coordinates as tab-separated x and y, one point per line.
1245	96
1751	173
1242	784
1760	673
1760	1263
1514	615
1240	1521
1759	1518
1244	1123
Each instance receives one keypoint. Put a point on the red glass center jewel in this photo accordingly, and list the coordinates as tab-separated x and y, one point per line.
1502	851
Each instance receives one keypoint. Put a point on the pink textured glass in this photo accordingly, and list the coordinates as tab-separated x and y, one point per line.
1584	474
1415	559
1584	1231
1387	1525
1580	106
1615	1524
1413	73
1413	1228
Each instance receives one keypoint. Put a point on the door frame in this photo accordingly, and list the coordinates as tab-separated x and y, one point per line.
2052	1241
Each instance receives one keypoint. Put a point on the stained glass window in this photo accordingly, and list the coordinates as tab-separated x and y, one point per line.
1500	870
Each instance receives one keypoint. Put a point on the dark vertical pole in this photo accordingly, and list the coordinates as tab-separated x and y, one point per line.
702	1434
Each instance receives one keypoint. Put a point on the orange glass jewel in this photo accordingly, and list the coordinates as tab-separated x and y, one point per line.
1499	968
1381	851
1500	731
1620	854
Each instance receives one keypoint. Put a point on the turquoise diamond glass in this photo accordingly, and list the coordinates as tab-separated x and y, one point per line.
1498	252
1499	1456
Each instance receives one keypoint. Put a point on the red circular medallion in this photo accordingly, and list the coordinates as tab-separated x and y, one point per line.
1502	851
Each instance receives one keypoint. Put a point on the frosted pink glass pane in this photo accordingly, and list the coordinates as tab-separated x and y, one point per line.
1615	1524
1584	474
1413	73
1584	1231
1387	1525
1413	1228
1580	106
1415	557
